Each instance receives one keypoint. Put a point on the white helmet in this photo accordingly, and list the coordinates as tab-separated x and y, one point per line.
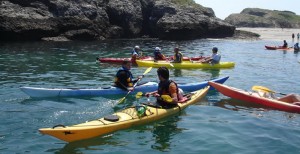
137	47
157	49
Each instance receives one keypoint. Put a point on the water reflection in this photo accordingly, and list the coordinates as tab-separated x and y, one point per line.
163	132
236	105
177	72
215	73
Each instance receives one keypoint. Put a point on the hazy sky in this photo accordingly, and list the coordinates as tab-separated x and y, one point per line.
223	8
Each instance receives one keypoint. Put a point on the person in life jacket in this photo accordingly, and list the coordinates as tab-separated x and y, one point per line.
158	55
136	54
124	78
177	56
166	87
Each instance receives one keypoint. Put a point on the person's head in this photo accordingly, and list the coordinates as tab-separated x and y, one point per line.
163	73
137	47
214	50
157	49
284	40
126	64
176	49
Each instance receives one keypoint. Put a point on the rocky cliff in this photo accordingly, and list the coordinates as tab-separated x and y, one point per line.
254	17
107	19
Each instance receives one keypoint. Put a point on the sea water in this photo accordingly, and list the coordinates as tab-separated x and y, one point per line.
216	124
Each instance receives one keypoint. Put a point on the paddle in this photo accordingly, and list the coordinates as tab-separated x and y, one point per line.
256	88
147	71
165	98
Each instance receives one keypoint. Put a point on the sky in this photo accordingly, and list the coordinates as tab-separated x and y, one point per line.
223	8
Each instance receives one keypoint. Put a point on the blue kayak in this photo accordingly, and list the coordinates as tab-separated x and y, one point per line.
80	92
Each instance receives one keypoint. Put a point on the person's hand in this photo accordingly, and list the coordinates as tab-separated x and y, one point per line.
147	94
156	95
141	76
130	89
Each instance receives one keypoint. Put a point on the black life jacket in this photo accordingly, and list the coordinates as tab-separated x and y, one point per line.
163	89
123	79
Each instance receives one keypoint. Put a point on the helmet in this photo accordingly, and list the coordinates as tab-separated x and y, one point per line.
215	49
157	48
137	47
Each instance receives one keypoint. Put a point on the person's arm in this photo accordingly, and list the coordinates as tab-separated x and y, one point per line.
173	93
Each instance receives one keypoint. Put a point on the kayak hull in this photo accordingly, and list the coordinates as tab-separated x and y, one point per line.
254	98
278	48
36	92
121	60
184	64
127	118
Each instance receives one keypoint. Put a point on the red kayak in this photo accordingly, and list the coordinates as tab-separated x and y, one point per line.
277	48
120	60
253	97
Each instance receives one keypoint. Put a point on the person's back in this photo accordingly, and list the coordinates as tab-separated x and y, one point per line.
158	55
285	45
135	54
215	58
177	56
296	47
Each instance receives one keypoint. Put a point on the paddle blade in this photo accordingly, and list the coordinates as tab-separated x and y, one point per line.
147	70
139	95
261	88
167	98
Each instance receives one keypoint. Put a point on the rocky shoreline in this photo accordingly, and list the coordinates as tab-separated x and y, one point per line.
56	20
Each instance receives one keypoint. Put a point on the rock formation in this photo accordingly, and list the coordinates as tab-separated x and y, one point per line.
254	17
61	20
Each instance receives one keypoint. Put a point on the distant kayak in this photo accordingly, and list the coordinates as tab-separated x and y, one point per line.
133	116
278	48
254	97
148	58
184	64
36	92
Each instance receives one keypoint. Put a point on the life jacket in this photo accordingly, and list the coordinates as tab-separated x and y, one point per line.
178	57
158	55
123	78
163	89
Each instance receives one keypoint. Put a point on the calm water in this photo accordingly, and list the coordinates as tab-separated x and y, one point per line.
216	124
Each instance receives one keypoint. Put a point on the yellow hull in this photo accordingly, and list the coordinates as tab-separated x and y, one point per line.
127	118
184	64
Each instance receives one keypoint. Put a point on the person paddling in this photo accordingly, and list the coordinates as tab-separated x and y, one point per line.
177	56
124	78
166	87
214	58
158	55
136	54
285	45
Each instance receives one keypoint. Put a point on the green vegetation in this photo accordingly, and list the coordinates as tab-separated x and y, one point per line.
186	3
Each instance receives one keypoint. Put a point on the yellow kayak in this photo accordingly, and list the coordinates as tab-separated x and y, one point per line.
120	120
184	64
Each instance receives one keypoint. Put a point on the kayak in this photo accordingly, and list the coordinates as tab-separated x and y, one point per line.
277	48
123	119
120	60
184	64
254	97
36	92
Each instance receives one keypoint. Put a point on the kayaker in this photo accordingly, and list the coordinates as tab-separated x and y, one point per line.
177	56
214	58
158	55
285	45
296	47
166	87
124	78
136	54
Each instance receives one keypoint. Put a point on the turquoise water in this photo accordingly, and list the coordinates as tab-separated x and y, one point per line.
217	124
